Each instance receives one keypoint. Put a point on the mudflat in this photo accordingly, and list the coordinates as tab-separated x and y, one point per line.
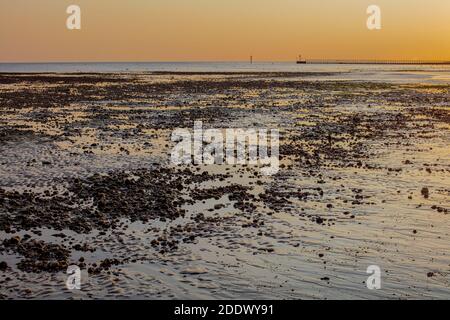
86	179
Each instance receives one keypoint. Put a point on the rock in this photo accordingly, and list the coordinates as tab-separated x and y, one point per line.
425	192
3	266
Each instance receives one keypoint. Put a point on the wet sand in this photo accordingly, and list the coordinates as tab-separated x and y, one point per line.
86	180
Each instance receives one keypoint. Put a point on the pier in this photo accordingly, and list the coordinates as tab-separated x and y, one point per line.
381	62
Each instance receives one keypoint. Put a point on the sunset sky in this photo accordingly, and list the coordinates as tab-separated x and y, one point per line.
222	30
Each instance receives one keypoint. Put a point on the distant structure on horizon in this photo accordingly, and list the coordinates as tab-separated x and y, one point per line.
360	61
300	61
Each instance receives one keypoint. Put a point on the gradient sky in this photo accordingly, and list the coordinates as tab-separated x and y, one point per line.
222	30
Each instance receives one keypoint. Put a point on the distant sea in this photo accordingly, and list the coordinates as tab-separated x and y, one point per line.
390	73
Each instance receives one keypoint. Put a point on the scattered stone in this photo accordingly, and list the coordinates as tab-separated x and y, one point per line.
425	192
3	266
194	270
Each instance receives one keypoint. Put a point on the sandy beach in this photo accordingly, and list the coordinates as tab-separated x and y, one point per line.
86	179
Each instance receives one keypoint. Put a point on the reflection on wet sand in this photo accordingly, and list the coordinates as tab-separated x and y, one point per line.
86	179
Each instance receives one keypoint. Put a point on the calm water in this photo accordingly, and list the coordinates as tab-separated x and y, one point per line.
392	73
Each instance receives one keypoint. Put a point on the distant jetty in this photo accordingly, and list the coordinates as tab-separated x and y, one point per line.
398	62
300	60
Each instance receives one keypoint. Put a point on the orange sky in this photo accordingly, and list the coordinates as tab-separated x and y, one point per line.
222	30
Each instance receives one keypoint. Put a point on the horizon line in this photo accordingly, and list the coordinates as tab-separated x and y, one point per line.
225	61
